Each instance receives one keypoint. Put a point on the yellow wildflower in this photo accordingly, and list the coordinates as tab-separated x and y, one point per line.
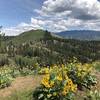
62	65
46	71
59	78
45	81
66	77
70	82
65	92
74	88
79	74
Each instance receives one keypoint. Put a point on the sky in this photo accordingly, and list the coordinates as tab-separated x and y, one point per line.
17	16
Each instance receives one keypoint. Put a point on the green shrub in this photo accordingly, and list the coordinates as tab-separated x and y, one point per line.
93	95
82	75
28	52
96	65
5	77
25	62
3	60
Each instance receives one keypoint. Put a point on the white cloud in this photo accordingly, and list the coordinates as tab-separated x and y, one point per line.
51	25
22	27
73	14
79	9
61	15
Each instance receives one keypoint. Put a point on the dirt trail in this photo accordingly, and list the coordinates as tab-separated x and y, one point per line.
97	74
21	83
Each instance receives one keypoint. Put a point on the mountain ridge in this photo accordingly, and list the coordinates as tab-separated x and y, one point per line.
71	34
80	34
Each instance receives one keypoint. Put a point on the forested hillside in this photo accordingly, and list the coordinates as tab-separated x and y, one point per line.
47	48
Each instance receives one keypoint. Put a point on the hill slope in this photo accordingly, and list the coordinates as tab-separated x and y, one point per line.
50	49
81	34
28	36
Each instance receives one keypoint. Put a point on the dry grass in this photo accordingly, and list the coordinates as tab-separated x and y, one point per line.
20	84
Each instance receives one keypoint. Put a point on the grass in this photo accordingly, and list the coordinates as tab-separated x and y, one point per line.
21	88
20	95
28	36
96	65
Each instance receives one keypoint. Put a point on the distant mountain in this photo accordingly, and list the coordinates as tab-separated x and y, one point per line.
80	34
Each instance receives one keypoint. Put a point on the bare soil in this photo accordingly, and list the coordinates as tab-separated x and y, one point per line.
20	84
